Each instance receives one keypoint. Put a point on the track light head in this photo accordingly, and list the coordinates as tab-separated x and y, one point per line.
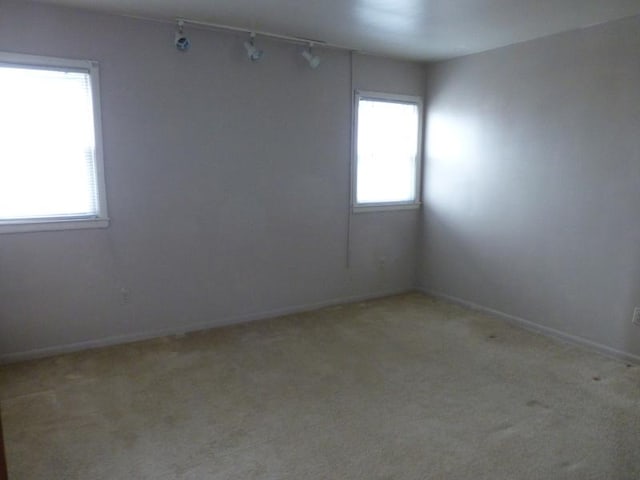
313	60
180	40
253	52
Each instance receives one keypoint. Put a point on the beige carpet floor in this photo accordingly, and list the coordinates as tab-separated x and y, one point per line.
404	387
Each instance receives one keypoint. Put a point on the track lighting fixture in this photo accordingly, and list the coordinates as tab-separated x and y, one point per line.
181	42
312	59
253	52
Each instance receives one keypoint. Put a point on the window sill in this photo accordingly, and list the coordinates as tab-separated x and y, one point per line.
53	225
385	207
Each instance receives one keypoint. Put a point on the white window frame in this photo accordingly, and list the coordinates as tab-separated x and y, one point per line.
382	206
101	219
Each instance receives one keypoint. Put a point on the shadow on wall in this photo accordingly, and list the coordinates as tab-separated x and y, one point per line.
483	271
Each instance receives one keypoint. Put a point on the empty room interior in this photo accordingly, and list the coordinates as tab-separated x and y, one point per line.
359	239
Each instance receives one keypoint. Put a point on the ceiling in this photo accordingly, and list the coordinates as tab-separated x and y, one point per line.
411	29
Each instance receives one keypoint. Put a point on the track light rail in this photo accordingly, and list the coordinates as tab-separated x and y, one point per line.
276	36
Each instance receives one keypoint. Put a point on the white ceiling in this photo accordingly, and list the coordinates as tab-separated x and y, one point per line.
413	29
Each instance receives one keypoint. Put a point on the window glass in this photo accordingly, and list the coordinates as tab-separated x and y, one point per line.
387	151
49	161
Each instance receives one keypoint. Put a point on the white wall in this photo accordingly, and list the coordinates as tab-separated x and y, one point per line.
532	199
227	184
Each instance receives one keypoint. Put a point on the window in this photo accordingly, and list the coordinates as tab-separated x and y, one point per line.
51	174
387	151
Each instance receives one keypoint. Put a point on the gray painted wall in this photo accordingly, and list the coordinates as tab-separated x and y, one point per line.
227	184
532	198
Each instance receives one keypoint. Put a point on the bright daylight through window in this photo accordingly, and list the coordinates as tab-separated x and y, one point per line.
388	137
50	152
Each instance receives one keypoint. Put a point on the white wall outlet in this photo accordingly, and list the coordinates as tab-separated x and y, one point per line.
636	316
125	295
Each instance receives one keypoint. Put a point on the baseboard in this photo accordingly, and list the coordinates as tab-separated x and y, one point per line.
234	320
136	337
536	327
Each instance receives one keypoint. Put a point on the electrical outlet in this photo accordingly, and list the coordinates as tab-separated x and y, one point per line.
125	295
636	316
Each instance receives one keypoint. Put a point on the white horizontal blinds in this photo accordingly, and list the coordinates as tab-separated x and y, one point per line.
47	144
387	151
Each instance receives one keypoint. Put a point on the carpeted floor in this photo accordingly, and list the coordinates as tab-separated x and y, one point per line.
399	388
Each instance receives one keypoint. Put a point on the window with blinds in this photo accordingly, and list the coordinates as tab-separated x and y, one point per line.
387	150
50	151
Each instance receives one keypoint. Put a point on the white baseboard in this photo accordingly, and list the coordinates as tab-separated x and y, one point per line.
14	357
234	320
537	328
